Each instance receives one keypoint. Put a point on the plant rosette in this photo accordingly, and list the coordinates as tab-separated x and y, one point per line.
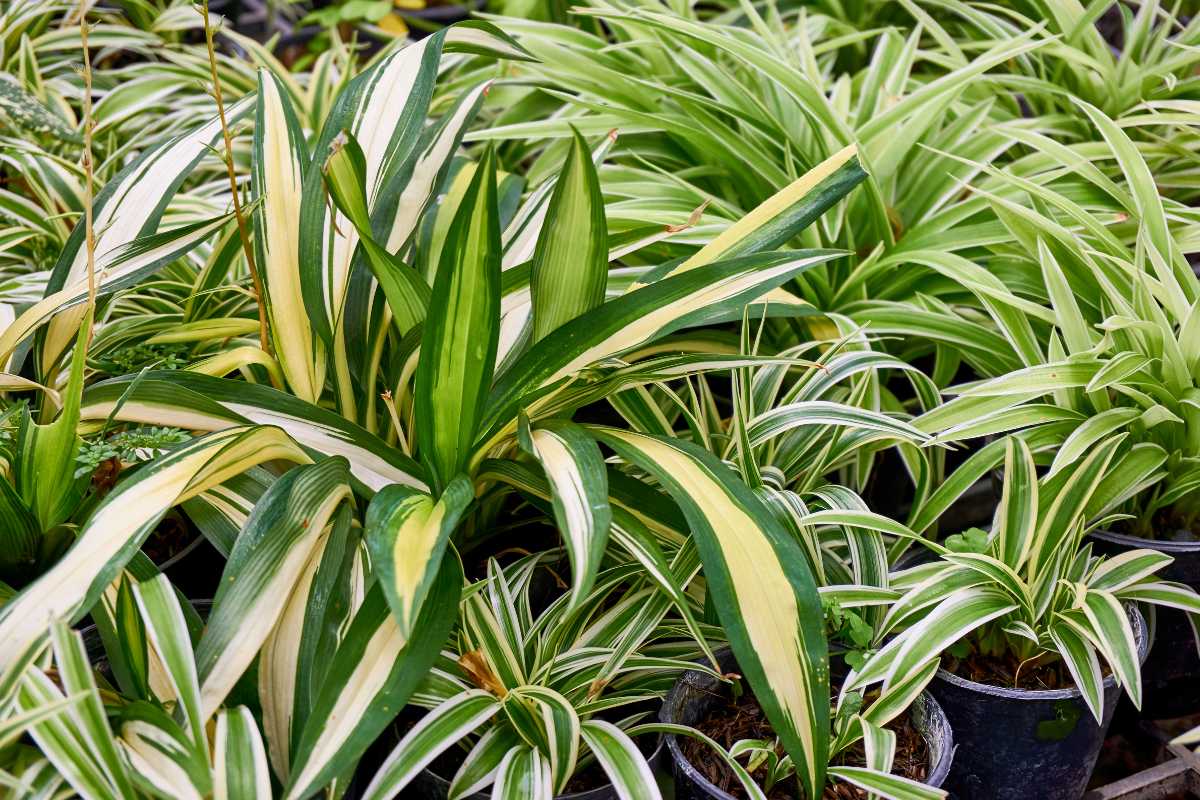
1021	743
526	704
1029	601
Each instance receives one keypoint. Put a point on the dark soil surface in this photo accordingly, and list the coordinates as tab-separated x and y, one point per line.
1010	673
744	719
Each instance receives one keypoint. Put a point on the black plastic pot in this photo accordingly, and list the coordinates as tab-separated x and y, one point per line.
1016	744
431	786
696	693
1171	676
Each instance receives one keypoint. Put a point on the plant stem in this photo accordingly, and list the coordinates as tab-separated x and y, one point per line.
88	170
264	338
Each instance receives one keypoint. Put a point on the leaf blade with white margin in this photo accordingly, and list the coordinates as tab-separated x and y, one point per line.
437	731
167	632
374	672
127	208
286	529
280	155
117	527
240	769
201	402
578	482
621	759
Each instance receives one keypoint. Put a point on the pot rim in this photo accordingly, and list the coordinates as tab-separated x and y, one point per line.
1163	545
1137	622
936	774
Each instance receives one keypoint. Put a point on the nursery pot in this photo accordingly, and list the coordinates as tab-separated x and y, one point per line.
1171	676
1016	744
428	785
696	693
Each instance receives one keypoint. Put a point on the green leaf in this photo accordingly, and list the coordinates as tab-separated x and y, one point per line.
458	345
570	261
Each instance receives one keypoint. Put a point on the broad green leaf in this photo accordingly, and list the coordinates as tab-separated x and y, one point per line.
570	261
458	345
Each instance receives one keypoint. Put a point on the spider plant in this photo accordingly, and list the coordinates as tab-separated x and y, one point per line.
1105	334
804	435
1031	589
530	697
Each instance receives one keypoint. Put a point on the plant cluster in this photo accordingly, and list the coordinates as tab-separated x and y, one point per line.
510	374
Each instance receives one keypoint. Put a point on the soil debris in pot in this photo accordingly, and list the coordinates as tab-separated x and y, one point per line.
743	718
1009	672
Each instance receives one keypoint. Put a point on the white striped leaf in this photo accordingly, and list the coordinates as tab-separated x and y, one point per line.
634	320
882	784
200	402
1112	635
286	530
127	264
549	723
479	768
280	157
373	673
116	529
621	759
161	755
240	769
1080	657
167	633
127	208
578	482
524	774
435	733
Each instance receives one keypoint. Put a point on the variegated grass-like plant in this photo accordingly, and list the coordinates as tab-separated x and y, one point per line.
1031	589
529	697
